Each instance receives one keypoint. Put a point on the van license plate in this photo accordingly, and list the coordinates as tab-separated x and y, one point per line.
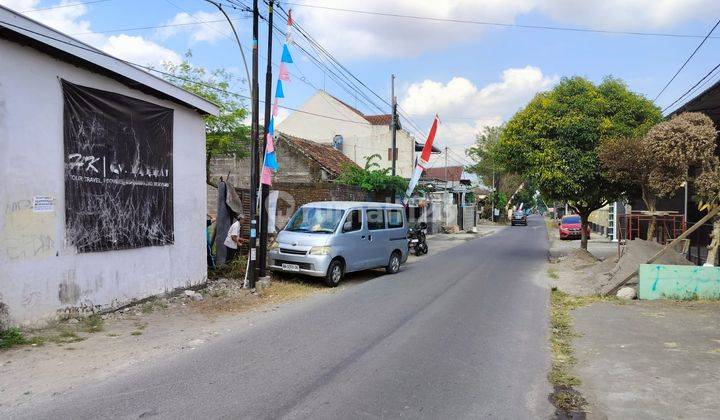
291	267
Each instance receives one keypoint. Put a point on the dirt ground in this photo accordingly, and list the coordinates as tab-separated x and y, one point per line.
70	354
597	270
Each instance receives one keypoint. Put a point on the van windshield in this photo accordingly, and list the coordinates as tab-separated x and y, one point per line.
315	220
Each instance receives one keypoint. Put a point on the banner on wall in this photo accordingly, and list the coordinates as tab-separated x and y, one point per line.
118	170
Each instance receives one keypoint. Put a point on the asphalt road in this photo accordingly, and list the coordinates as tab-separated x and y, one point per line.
457	334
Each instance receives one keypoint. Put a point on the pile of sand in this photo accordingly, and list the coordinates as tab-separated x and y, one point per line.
610	271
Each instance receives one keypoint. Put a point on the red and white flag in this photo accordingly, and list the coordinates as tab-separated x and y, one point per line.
424	158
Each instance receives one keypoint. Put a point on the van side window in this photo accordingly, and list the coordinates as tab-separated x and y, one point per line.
353	221
376	219
395	219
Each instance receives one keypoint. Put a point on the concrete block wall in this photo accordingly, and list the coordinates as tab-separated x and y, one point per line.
42	276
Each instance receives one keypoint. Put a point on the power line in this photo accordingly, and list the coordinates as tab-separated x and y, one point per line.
60	6
687	61
154	70
341	70
500	24
169	25
693	87
346	70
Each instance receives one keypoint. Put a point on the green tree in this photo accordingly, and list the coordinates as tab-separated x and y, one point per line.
484	154
371	177
488	165
225	134
554	140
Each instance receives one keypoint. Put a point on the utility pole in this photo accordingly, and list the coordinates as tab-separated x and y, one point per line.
492	214
254	161
264	188
394	128
446	155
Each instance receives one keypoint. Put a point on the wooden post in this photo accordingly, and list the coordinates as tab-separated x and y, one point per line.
672	244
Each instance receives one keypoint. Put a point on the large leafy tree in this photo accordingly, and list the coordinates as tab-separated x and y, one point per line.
554	140
225	134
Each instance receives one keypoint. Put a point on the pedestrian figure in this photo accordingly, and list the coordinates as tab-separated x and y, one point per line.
234	240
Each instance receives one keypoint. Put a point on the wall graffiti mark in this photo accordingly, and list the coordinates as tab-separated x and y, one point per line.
659	281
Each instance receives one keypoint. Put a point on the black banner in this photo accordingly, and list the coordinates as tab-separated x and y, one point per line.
118	170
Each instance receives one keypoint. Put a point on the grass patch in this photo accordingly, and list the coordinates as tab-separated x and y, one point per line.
112	335
66	336
553	273
11	337
136	333
152	306
233	270
285	290
92	324
561	375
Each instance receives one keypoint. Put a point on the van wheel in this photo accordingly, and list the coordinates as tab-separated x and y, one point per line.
393	264
334	274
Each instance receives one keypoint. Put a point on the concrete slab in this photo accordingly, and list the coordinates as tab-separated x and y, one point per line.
649	360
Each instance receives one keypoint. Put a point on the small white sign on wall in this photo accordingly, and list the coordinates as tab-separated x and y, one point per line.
43	204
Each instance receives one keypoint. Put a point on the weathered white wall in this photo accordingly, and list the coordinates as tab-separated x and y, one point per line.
36	266
361	139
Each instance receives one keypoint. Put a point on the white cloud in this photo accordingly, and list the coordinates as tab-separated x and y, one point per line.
139	50
20	5
70	20
465	108
352	35
207	32
356	36
631	15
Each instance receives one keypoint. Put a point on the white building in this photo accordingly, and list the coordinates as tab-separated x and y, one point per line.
323	117
63	248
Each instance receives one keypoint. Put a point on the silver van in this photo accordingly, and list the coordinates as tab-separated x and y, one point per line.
330	238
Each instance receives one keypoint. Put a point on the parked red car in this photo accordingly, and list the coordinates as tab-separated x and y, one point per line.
571	227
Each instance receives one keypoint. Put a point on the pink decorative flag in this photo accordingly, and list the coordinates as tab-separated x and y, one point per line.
266	177
283	73
270	164
275	107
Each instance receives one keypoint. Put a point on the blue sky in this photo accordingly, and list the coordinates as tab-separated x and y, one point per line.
471	75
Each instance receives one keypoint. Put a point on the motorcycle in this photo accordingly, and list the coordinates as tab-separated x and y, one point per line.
417	243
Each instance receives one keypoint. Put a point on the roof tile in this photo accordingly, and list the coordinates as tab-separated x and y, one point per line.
329	158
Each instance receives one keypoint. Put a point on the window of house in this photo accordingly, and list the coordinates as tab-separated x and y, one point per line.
353	222
376	219
395	219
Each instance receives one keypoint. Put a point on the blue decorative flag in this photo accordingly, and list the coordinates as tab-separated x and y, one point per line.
279	91
271	126
286	57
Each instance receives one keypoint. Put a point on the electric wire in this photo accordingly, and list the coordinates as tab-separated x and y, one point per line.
691	89
687	61
60	6
499	24
164	73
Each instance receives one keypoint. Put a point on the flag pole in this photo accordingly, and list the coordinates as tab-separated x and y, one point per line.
254	175
264	188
